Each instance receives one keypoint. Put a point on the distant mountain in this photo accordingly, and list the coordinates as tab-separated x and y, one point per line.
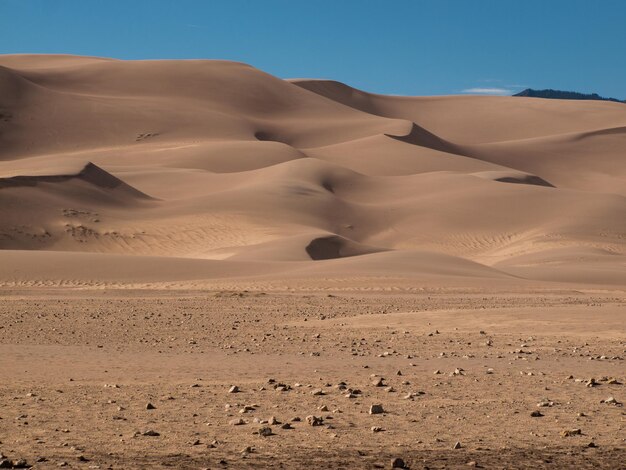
564	95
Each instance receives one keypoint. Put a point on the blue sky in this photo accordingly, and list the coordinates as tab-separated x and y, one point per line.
408	47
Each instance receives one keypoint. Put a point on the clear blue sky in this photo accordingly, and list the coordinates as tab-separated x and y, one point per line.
411	47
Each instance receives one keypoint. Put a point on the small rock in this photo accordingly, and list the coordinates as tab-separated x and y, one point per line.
150	406
398	463
611	401
379	382
536	414
376	409
233	389
317	392
571	432
314	420
150	433
265	431
286	426
377	429
236	422
457	445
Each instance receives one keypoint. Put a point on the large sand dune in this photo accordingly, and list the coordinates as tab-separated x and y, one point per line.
190	170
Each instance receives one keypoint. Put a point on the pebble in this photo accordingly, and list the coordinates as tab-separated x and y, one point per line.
611	401
314	420
376	409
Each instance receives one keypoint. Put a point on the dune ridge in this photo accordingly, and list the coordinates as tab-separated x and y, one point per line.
222	169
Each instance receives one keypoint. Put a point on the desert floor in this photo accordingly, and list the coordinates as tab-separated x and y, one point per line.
80	367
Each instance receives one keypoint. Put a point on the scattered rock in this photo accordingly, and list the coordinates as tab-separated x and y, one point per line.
376	409
378	382
314	420
611	401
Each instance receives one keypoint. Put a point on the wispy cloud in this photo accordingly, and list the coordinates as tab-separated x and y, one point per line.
488	91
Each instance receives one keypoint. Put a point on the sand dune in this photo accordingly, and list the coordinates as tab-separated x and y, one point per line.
190	170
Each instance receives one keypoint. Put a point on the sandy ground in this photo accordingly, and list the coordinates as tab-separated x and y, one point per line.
172	229
79	368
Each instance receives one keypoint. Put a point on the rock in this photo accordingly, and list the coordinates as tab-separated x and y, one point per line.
545	403
376	429
437	372
19	463
611	401
6	463
457	445
317	392
376	409
323	408
286	426
265	431
536	414
273	421
472	463
378	382
571	432
592	444
314	420
236	422
150	406
398	463
247	450
150	433
234	389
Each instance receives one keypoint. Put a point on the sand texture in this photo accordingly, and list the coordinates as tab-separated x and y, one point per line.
171	229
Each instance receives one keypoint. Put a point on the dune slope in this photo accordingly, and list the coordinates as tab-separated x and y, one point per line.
210	169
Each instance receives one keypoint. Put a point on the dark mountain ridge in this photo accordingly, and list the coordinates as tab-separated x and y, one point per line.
564	95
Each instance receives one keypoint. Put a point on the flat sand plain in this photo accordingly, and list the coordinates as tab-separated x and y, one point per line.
80	367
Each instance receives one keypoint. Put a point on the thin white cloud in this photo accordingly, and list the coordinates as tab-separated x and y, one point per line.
487	91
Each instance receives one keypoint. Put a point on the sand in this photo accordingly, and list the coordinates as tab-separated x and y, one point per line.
165	224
